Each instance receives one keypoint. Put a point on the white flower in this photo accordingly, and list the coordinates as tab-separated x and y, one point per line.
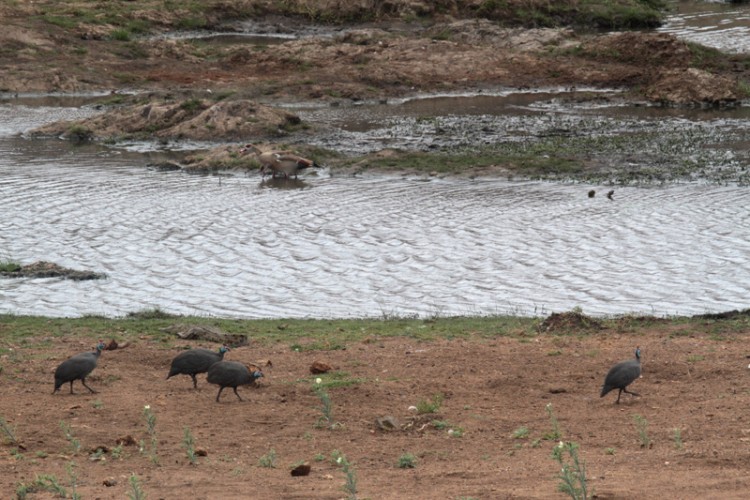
318	380
561	445
338	460
147	407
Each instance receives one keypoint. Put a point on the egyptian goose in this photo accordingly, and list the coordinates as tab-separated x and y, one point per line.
283	163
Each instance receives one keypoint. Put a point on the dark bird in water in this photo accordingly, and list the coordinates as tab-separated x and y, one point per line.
232	374
611	194
592	193
622	375
195	361
77	368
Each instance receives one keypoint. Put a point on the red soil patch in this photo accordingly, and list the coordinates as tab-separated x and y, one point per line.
490	388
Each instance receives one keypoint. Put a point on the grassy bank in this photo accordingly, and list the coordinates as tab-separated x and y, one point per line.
335	334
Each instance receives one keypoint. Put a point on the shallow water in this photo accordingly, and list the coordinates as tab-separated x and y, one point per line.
352	247
384	245
718	24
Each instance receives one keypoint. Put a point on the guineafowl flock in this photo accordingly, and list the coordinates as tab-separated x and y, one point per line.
234	374
191	362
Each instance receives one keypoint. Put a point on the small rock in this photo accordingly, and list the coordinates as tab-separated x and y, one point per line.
126	440
302	470
387	423
557	390
320	367
109	482
201	452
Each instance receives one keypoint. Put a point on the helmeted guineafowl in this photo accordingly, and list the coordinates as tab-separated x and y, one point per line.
195	361
232	374
622	375
77	368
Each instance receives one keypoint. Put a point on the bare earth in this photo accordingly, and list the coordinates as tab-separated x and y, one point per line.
691	385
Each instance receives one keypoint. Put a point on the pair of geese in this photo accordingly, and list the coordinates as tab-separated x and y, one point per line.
285	164
233	374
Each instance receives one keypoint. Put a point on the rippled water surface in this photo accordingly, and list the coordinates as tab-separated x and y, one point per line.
718	24
350	247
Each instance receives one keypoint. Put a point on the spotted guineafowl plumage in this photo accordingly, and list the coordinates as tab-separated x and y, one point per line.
622	375
77	368
232	374
195	361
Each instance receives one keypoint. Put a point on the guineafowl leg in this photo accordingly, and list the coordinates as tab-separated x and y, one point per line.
237	393
71	387
217	396
630	392
195	381
618	397
83	381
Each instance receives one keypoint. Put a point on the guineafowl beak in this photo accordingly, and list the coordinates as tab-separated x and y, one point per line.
257	374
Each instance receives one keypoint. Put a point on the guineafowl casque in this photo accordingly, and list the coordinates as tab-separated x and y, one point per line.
622	375
232	374
195	361
77	368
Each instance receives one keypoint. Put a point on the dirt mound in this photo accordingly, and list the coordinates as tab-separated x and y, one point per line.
692	86
191	119
569	321
42	269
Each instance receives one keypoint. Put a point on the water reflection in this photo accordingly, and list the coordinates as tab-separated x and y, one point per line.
283	183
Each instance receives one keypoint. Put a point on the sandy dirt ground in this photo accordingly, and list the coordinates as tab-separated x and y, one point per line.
495	395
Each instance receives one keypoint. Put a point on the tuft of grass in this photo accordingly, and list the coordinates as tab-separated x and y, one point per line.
641	425
189	443
555	434
9	266
407	461
430	406
42	482
677	437
10	434
268	460
521	433
75	444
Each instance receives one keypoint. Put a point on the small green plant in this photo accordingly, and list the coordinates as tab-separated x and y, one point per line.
326	408
7	266
555	434
430	406
151	430
641	424
521	433
677	436
407	461
319	457
351	477
117	451
609	451
268	460
42	482
70	469
573	473
75	444
189	443
9	433
97	404
136	491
